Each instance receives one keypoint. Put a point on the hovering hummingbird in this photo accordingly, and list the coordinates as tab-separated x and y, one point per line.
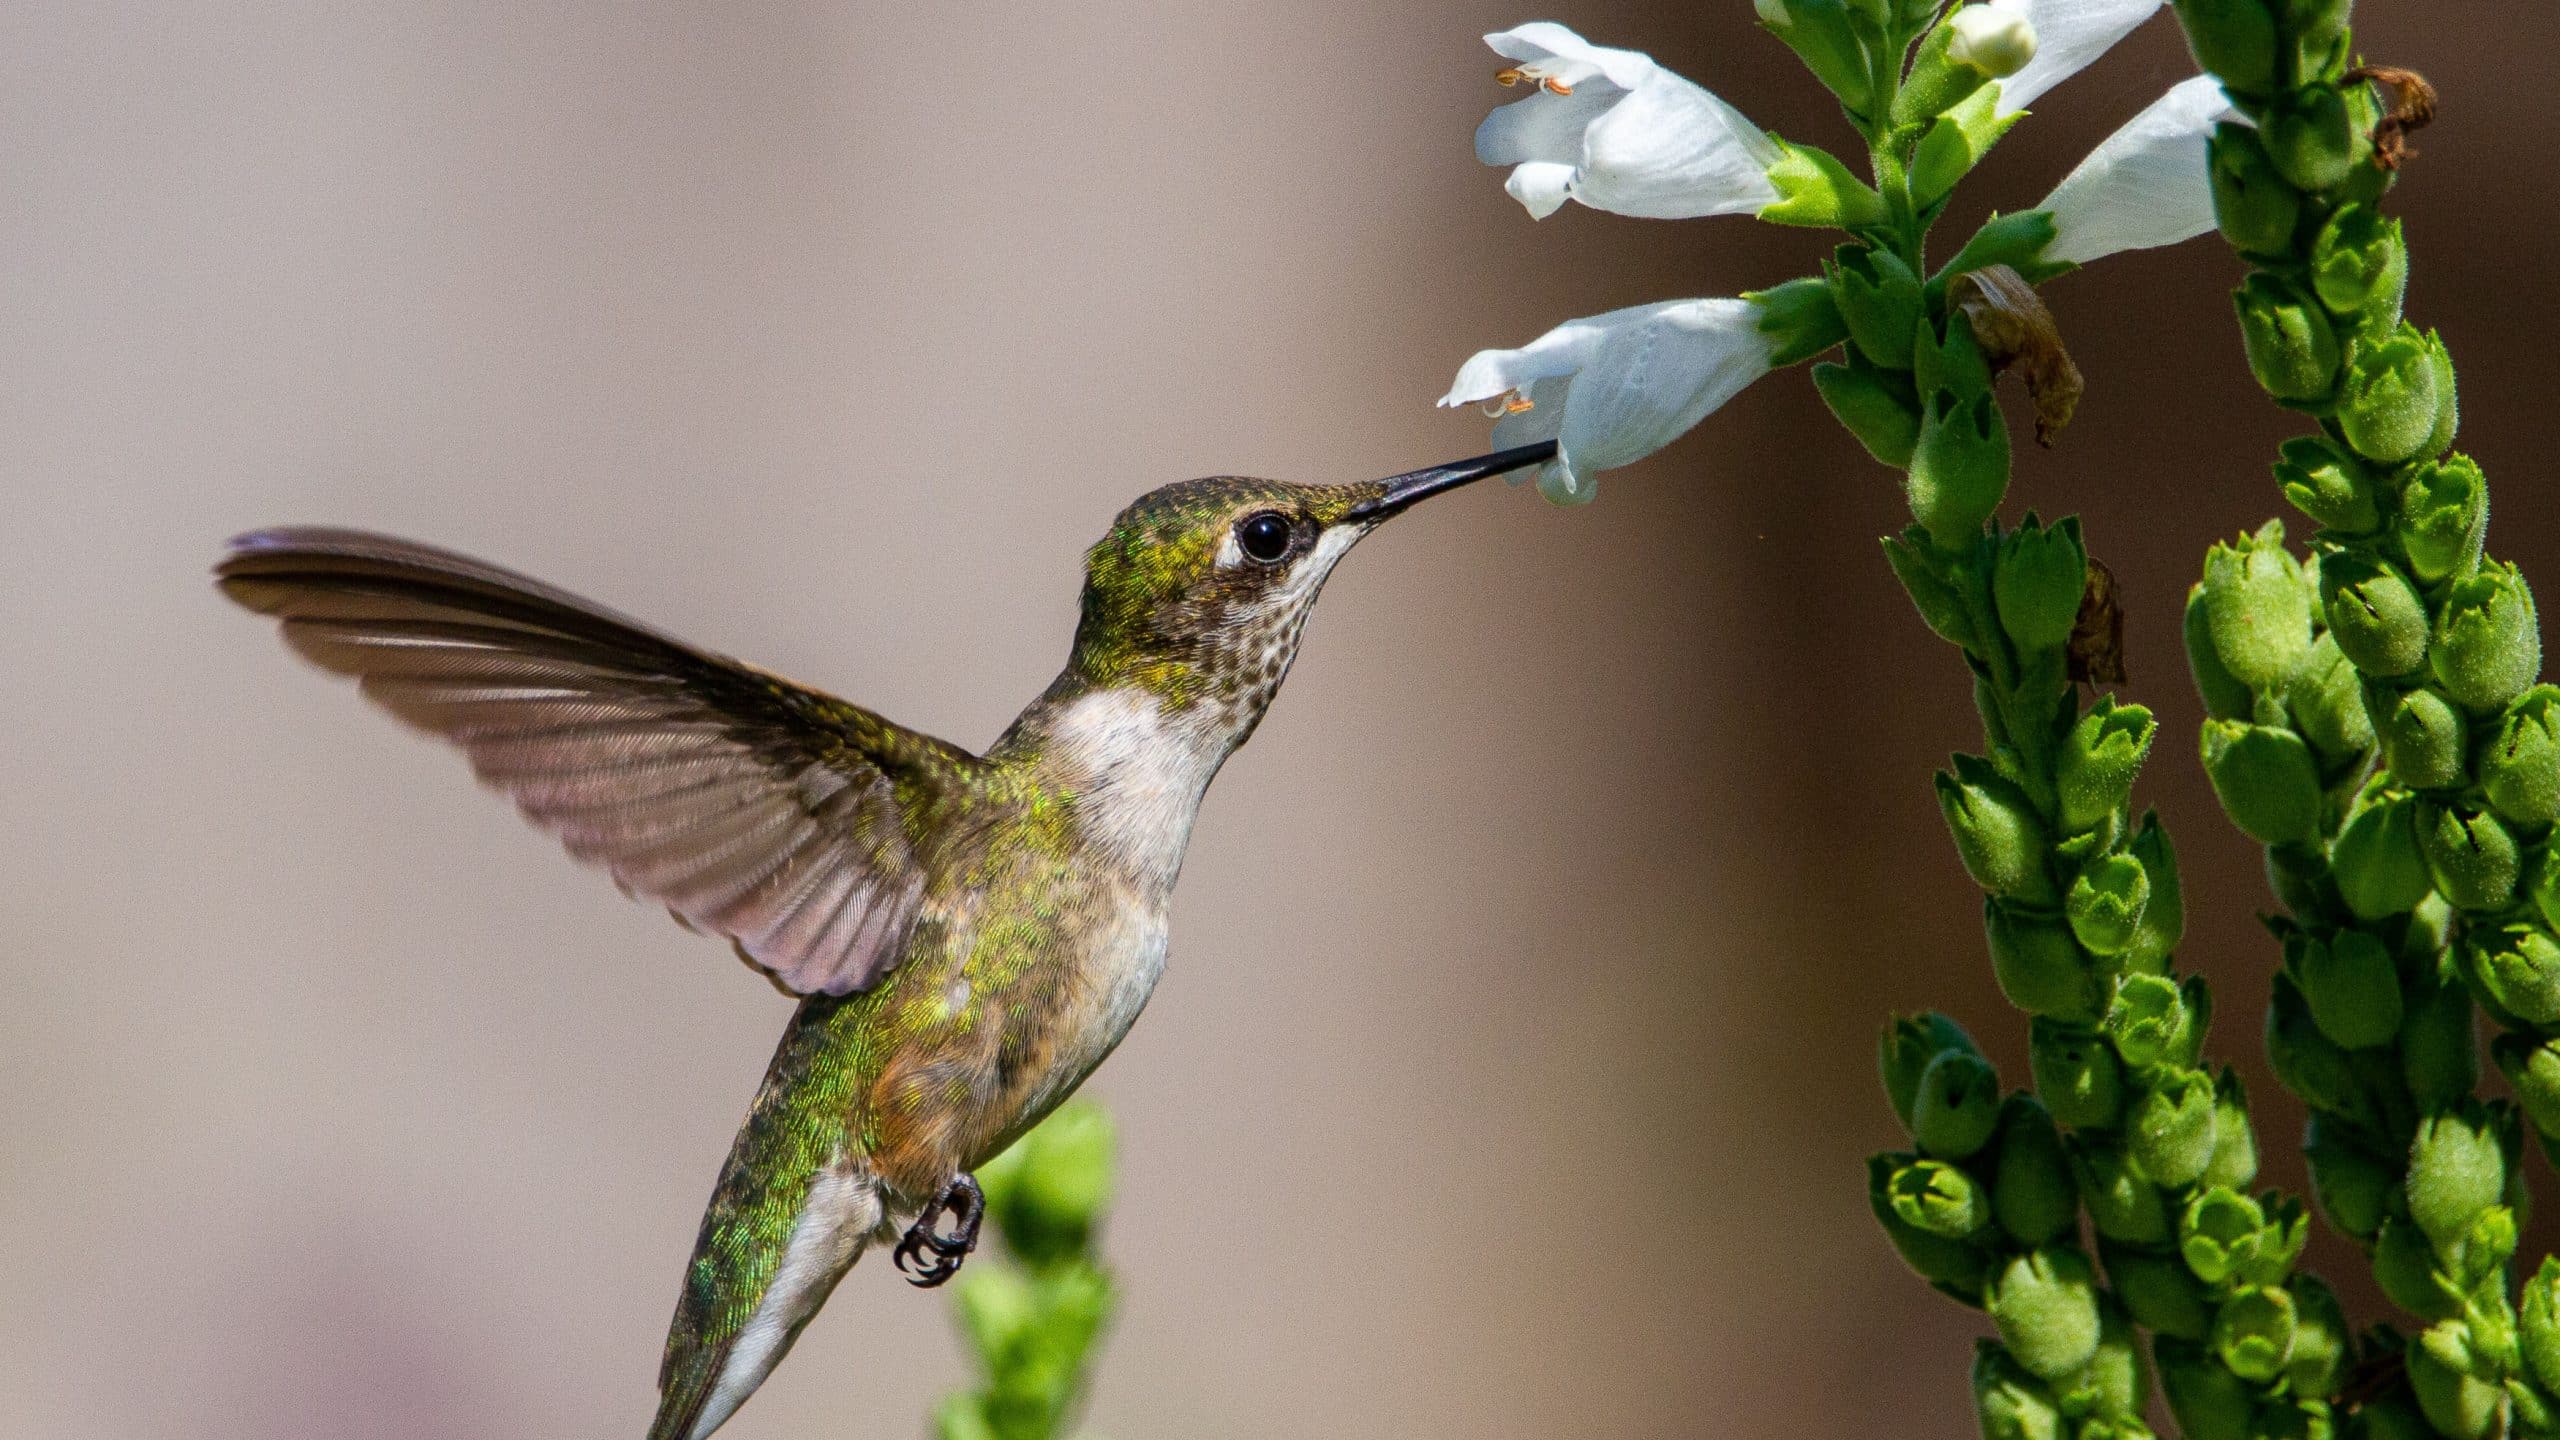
969	935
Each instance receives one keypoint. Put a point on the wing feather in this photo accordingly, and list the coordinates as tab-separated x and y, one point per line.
751	807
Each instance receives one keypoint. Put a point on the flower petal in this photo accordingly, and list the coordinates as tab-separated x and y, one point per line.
1542	40
2070	34
2147	184
1652	379
1670	150
1546	126
1541	188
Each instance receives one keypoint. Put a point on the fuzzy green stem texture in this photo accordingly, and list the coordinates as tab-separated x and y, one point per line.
1033	1324
2375	722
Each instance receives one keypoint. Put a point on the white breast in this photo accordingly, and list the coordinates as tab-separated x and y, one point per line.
1140	773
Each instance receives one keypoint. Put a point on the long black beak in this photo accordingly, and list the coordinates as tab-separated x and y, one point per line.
1400	492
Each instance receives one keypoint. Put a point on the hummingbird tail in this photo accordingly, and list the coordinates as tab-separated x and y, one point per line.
771	1251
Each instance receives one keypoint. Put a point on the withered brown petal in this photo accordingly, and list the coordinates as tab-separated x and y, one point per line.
2016	332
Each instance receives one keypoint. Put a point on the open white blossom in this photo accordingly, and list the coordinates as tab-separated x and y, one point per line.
2068	36
2150	183
1611	389
1617	132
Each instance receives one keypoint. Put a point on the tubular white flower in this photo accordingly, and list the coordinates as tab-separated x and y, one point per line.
2069	34
1617	132
2148	184
1611	389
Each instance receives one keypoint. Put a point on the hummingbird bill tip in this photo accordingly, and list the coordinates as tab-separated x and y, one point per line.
1399	492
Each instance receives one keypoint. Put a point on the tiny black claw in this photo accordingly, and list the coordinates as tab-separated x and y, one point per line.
925	1255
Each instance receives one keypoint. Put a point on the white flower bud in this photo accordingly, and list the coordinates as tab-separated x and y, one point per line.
1994	39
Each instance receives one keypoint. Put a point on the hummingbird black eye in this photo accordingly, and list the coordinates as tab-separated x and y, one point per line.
1264	537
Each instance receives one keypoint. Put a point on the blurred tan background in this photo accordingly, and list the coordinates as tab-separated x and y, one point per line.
1513	1071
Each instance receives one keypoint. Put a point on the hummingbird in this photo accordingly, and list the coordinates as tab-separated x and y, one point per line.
968	935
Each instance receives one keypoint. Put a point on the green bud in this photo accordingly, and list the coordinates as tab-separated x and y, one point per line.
2236	40
2481	1252
2516	971
2220	1234
2520	770
2353	1184
1937	1197
1826	39
2352	987
2456	1170
2169	1135
1875	405
2045	1303
1956	141
1798	318
2299	876
2122	1205
2439	1048
2255	207
2235	1143
2471	856
2444	514
2258	609
2266	780
2327	702
2017	240
2207	1400
2379	869
2374	613
2037	583
2448	398
2538	1324
2360	266
2308	1062
2093	776
1048	1189
2076	1074
2012	1404
2460	1404
1959	467
2310	139
2106	903
2390	405
1906	1049
1957	1267
2033	1194
2329	484
1879	300
2423	737
2117	1384
2157	1291
2253	1333
2322	1343
1958	1105
1998	834
2292	348
2039	966
2294	1418
2164	920
2531	1064
2404	1265
2487	646
2149	1021
2225	696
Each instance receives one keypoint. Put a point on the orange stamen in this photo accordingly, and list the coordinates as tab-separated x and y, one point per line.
1556	87
1518	403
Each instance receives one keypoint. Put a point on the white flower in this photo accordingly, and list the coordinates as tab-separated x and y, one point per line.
2068	35
1612	129
1611	389
1997	40
2148	184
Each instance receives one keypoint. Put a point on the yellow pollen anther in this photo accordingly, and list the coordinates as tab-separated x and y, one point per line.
1512	76
1517	403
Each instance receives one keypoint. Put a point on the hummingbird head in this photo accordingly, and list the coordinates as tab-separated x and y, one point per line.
1200	590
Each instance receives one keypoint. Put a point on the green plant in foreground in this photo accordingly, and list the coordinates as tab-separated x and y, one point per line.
1033	1323
2375	722
2399	641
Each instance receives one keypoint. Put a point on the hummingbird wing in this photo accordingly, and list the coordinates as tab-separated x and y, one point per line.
750	806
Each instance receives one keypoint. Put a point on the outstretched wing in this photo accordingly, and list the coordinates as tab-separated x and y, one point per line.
751	807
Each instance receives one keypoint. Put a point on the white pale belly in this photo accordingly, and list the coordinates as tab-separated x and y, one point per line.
1121	973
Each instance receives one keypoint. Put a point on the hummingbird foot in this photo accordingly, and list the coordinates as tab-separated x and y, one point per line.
927	1256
